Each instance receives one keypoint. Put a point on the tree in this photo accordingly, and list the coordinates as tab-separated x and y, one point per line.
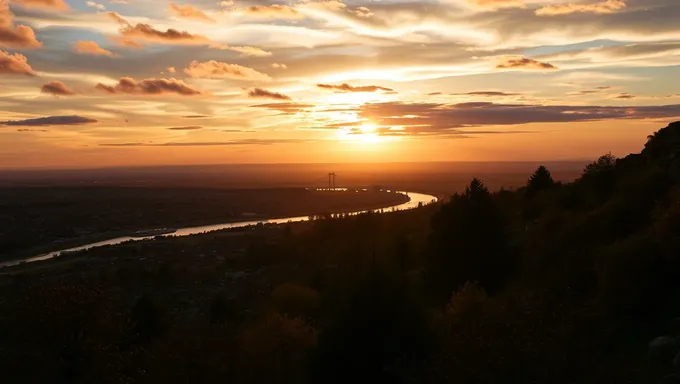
605	163
467	243
539	180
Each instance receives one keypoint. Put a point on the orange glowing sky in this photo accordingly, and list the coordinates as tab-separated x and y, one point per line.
142	82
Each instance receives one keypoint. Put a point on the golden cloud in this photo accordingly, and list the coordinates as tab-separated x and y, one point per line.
527	63
150	87
91	48
11	36
171	36
350	88
57	88
605	7
15	64
265	94
189	12
58	5
273	11
218	70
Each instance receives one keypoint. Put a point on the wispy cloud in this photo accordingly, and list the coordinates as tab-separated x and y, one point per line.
350	88
604	7
265	94
210	143
525	63
91	48
58	5
129	85
189	12
50	120
187	128
218	70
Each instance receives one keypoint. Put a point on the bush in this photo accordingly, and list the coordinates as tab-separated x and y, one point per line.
295	300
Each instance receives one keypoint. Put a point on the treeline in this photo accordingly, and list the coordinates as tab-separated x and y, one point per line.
550	283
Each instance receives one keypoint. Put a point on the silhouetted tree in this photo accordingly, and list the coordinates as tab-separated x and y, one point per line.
605	163
146	317
467	242
539	180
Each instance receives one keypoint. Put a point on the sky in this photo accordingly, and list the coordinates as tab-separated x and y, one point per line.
152	82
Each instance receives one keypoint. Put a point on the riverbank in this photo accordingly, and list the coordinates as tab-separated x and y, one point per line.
410	200
39	220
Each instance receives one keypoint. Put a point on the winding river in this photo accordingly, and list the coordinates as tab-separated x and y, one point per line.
415	199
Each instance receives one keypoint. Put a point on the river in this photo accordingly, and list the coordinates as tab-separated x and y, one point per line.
415	199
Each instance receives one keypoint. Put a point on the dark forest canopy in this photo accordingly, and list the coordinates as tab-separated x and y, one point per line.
550	283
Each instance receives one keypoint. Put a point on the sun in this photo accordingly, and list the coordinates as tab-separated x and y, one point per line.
368	128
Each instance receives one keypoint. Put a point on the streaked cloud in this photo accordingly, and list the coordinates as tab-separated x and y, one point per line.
58	5
604	7
146	32
350	88
187	128
128	85
437	117
210	143
57	88
190	12
218	70
91	48
265	94
525	63
487	94
50	120
272	11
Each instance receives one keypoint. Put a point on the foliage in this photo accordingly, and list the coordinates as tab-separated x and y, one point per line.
563	284
468	243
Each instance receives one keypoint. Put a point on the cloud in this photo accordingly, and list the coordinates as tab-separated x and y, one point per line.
487	94
188	128
210	143
57	5
127	43
15	64
349	88
50	120
146	32
117	18
526	63
91	48
196	116
265	94
92	4
11	36
605	7
218	70
279	66
128	85
171	70
437	118
245	50
363	12
189	12
273	11
495	4
56	88
286	107
625	96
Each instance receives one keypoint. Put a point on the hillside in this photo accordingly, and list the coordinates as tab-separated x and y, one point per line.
550	283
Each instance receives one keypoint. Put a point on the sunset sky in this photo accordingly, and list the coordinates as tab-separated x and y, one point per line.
141	82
